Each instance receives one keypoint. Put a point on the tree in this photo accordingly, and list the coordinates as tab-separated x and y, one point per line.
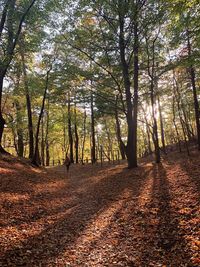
9	40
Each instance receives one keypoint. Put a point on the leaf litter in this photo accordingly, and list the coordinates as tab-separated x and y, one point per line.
101	216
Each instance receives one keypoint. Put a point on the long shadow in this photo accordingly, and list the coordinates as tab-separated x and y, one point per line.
70	187
167	245
155	240
192	168
70	192
24	181
61	235
190	165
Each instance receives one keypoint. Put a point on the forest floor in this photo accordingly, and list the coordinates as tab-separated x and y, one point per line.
101	216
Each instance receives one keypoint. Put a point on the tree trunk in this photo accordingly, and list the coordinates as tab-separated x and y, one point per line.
110	145
194	90
2	121
153	78
71	156
28	106
20	139
64	136
12	40
155	127
42	142
93	141
36	159
135	100
76	145
131	147
161	126
47	135
175	126
121	144
84	136
177	97
149	139
148	130
184	119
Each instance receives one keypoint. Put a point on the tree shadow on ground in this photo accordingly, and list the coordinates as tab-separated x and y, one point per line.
19	178
60	235
140	235
166	245
33	208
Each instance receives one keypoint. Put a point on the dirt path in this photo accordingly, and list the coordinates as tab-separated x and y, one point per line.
108	216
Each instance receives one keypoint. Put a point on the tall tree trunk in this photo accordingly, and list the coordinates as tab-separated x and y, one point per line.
194	90
71	156
175	126
28	105
64	136
42	142
121	144
177	97
84	135
2	120
181	106
135	100
154	80
149	139
93	141
148	130
131	147
110	145
155	127
76	144
36	159
161	126
20	134
47	135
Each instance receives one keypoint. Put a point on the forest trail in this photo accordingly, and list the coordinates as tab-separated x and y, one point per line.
101	216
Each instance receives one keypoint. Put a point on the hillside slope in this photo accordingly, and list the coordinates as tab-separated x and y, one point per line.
108	216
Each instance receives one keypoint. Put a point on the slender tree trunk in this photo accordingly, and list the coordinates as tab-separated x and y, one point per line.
20	135
76	135
161	126
47	135
152	75
187	126
135	100
177	97
155	127
194	90
110	145
121	144
36	159
93	141
71	156
181	106
42	142
64	136
149	139
148	130
175	126
84	136
2	120
28	106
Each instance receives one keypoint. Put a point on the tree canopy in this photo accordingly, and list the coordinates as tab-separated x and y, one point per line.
92	79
